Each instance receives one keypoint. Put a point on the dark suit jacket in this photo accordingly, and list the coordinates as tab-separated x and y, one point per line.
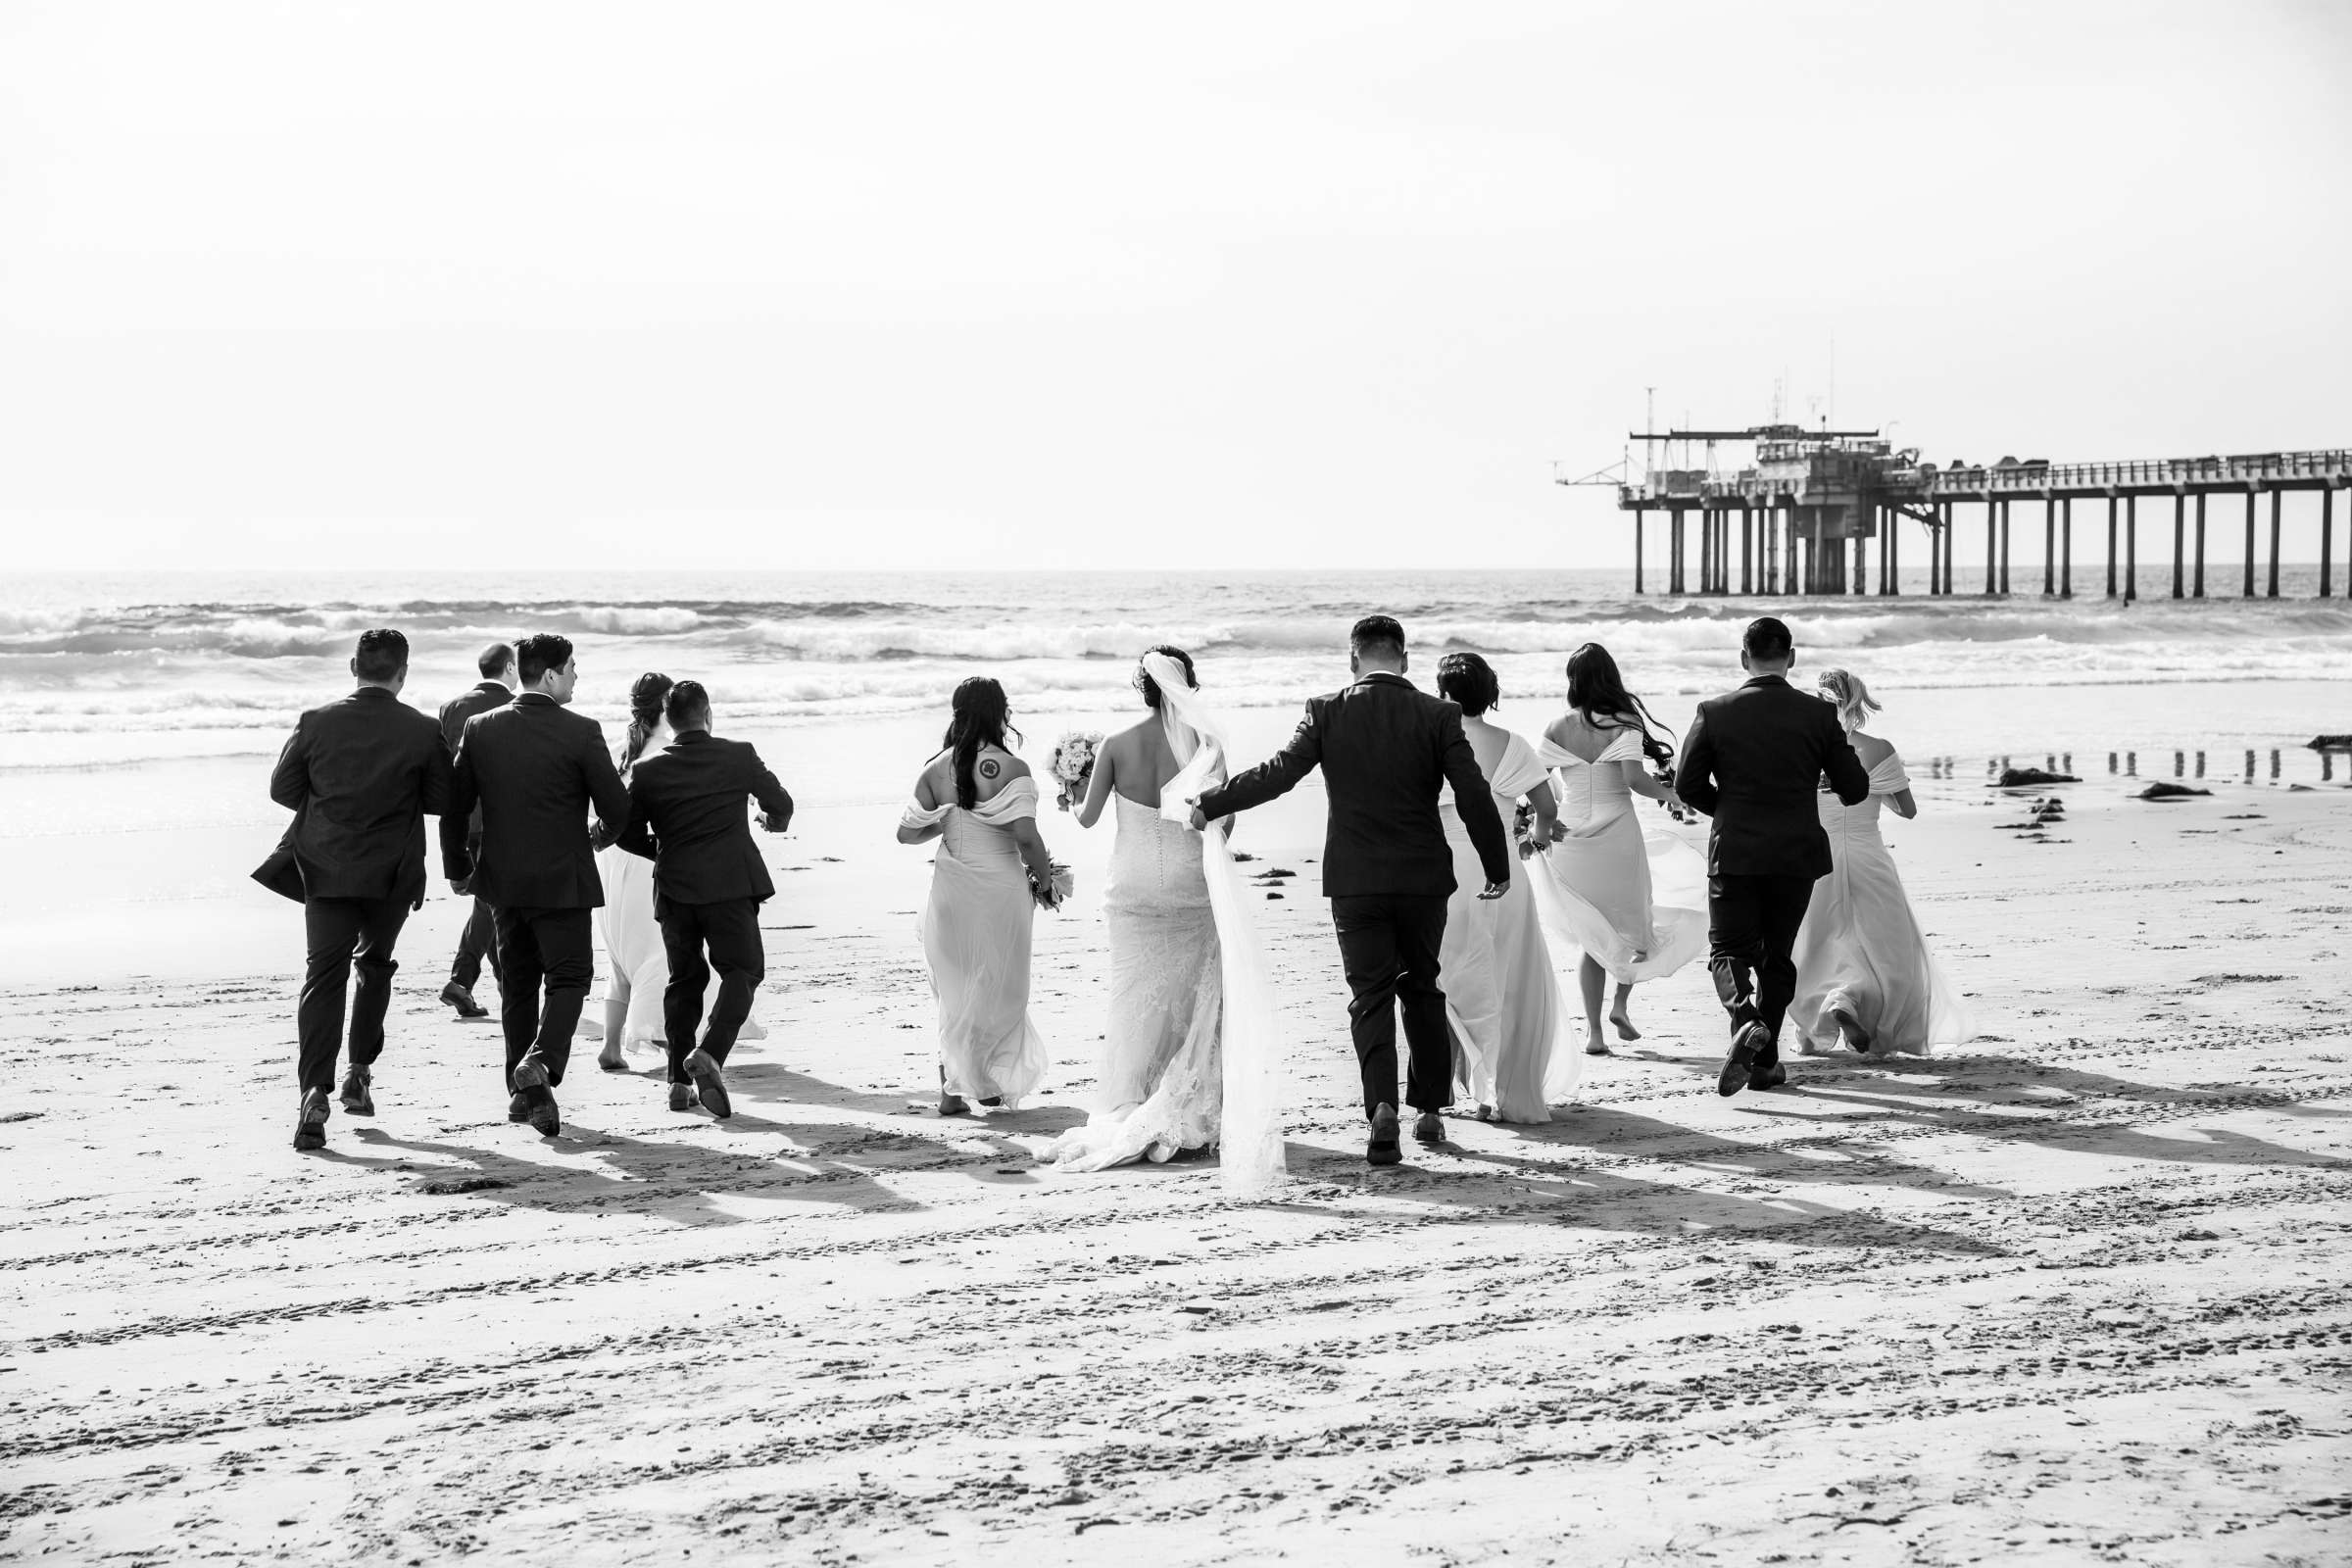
458	710
686	814
1384	750
1753	761
535	768
361	774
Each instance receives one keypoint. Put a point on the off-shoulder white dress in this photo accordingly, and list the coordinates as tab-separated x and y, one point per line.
1860	948
1502	996
1631	898
977	931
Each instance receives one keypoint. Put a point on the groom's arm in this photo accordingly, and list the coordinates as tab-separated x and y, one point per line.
1277	775
1474	802
1694	778
290	779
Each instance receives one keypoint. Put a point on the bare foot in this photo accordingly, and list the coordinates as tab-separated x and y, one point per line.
1857	1038
612	1061
1625	1026
1594	1046
953	1105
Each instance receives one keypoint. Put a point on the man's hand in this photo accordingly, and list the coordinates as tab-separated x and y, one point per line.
773	823
1496	889
1198	820
460	884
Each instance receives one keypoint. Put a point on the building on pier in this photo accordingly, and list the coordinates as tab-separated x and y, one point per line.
1807	505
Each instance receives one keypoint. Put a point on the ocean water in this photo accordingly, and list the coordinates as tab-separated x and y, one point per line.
128	669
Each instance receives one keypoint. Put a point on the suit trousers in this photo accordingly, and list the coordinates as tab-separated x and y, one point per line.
730	930
341	934
1751	939
480	938
1389	945
553	948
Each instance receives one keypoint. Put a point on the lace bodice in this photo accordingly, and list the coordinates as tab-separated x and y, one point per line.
1861	820
1156	863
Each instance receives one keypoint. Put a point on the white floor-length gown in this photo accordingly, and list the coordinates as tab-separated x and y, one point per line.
1160	1075
1631	898
976	928
633	937
1502	995
1192	1054
1860	950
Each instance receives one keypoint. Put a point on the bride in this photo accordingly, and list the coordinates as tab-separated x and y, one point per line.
1189	1059
1864	975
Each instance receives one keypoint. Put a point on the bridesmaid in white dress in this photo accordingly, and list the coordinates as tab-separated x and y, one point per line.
1864	975
1632	900
1160	1075
632	936
1502	996
991	874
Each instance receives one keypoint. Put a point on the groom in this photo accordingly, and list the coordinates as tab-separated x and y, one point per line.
1753	761
1384	750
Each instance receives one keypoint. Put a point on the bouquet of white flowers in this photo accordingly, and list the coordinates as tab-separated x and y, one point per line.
1074	765
1063	883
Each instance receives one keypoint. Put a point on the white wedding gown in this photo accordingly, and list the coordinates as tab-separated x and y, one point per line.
1631	898
633	937
1162	1071
1192	1054
975	930
1502	995
1860	948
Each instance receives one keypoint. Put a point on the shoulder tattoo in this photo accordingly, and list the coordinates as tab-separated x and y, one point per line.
990	767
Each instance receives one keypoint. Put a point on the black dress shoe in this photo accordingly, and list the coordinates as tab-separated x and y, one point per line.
1771	1077
710	1085
518	1108
1381	1148
309	1122
1746	1041
355	1095
681	1097
1429	1128
538	1100
462	999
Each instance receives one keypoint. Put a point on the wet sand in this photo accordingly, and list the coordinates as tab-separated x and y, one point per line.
2077	1292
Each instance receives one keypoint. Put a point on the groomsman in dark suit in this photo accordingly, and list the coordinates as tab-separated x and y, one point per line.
1386	749
535	771
480	938
686	814
1754	761
360	774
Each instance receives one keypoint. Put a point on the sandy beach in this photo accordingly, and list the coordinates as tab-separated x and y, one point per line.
2075	1292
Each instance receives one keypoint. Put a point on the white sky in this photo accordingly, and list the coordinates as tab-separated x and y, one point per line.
1099	285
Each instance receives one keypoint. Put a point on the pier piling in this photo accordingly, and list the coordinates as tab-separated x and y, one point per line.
2130	549
2110	546
2327	541
2278	497
2066	548
2180	538
2200	563
2249	542
2050	548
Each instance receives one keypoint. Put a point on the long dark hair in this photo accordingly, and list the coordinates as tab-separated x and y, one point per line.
644	714
980	716
1597	692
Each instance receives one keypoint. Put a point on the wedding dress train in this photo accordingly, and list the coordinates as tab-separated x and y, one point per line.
1860	950
1191	1055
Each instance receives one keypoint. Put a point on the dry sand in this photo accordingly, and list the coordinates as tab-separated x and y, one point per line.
2075	1292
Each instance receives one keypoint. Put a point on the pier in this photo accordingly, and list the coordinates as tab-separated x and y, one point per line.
1807	506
